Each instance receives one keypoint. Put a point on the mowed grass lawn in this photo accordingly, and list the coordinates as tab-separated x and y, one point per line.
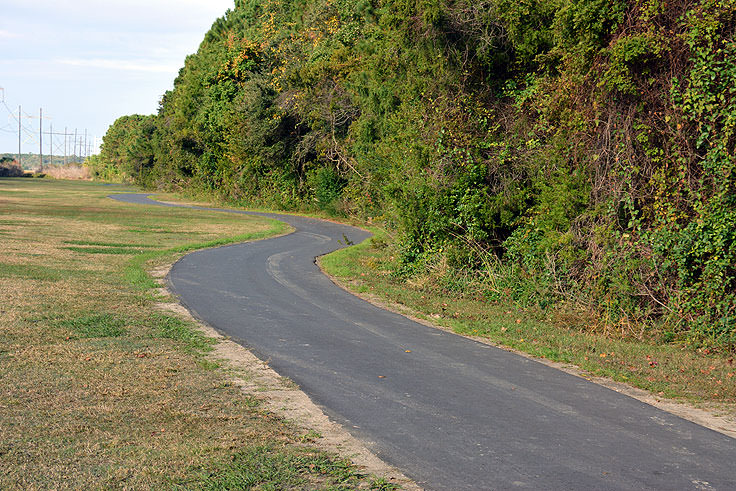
99	388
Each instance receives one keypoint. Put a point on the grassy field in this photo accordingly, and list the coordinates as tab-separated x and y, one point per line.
667	371
100	389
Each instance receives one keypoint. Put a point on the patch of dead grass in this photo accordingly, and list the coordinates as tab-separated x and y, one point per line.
139	410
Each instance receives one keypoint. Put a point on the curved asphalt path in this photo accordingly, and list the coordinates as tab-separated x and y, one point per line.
453	413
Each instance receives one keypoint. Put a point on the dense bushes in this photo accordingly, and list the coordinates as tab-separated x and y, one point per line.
10	168
580	152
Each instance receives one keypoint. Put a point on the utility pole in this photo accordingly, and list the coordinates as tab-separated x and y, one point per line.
85	143
20	155
51	143
75	145
40	140
65	161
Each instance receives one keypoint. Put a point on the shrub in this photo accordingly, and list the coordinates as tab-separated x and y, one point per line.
10	168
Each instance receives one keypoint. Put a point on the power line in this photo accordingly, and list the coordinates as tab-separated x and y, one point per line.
18	119
81	145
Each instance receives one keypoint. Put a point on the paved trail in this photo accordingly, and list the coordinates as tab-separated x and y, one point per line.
453	414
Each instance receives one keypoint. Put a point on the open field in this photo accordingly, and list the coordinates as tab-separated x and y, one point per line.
102	389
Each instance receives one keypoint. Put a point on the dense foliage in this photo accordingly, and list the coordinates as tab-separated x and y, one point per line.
10	168
576	152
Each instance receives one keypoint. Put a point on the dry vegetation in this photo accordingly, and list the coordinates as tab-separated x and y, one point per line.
103	390
10	168
70	171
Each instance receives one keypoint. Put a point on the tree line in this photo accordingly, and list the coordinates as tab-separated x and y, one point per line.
575	153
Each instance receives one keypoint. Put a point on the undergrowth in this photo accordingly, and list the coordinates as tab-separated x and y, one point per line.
578	154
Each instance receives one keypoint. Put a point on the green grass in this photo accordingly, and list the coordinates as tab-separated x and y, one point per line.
101	389
270	468
168	327
106	244
96	325
105	250
162	231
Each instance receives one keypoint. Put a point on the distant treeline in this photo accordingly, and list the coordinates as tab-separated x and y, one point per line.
573	153
30	160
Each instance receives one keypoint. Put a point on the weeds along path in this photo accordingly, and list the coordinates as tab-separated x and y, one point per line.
450	412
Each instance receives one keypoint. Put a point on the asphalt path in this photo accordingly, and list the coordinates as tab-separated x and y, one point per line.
450	412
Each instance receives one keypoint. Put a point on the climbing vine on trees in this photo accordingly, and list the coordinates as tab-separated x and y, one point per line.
578	152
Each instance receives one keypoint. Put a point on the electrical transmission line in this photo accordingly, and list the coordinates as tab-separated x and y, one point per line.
81	147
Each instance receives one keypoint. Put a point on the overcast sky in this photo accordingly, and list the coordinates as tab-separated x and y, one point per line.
87	62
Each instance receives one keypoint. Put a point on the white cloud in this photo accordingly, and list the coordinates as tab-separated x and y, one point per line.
87	62
123	65
167	14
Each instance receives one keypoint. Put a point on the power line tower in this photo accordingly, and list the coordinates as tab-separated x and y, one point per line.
20	132
80	146
40	140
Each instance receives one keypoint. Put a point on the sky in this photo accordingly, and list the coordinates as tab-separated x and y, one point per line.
88	62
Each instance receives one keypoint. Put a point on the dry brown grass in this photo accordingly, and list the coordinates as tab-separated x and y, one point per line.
69	171
126	399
